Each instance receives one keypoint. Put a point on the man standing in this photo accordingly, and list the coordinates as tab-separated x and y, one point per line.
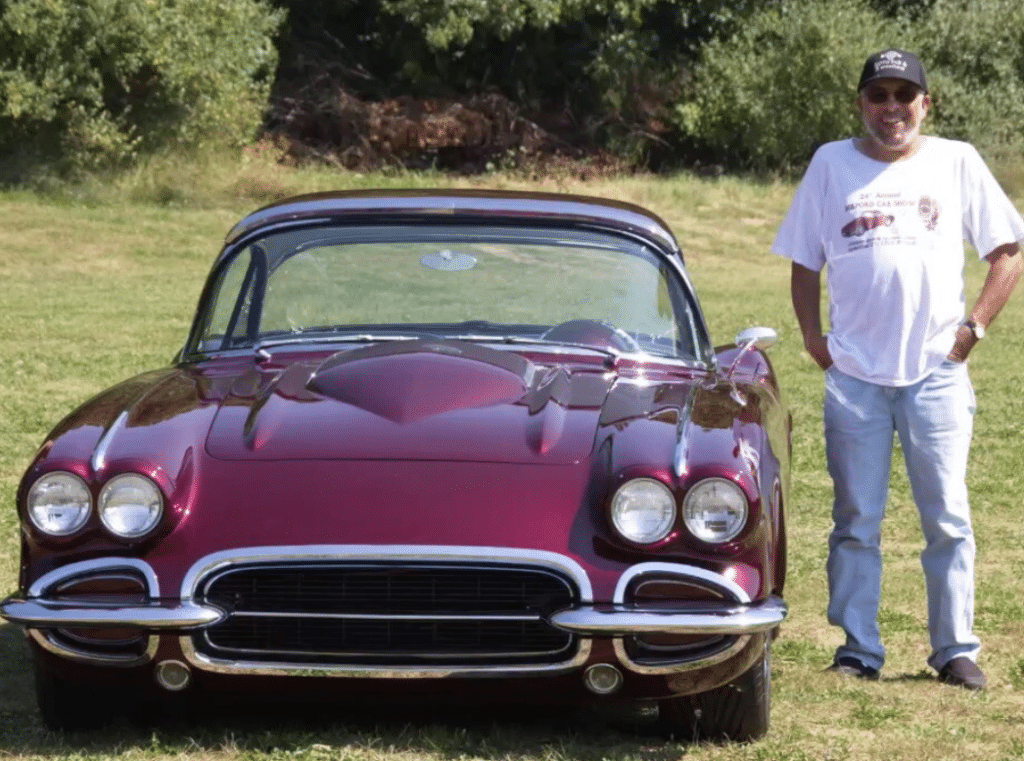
888	213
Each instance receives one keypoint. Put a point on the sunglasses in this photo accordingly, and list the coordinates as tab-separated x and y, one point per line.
880	95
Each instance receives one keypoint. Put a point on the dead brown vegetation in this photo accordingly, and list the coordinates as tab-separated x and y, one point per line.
315	118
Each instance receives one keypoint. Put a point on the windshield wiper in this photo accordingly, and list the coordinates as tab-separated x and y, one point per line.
313	338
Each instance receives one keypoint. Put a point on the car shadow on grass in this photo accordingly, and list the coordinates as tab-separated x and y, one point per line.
285	729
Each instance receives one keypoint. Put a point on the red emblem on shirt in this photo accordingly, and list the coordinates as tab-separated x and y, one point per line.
928	208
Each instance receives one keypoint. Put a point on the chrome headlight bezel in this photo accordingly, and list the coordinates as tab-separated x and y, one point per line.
643	511
715	510
130	505
43	497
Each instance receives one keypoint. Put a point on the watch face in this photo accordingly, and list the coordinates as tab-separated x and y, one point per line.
979	331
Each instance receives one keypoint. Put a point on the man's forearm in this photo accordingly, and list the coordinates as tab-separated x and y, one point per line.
805	290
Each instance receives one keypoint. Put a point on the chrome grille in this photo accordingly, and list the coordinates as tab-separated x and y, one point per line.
399	613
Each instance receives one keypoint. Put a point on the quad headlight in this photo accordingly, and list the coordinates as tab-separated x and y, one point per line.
59	503
715	510
130	505
643	510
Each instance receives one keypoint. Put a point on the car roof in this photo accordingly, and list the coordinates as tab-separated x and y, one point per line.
465	205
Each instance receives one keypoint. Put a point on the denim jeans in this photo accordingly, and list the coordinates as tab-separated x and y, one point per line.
933	419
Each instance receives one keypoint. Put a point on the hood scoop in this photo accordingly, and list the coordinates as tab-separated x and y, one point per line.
413	380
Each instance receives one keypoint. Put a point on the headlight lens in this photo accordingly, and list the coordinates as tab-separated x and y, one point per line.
643	510
715	510
130	505
59	503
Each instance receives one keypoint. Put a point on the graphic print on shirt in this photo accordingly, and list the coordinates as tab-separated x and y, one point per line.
929	210
869	221
877	218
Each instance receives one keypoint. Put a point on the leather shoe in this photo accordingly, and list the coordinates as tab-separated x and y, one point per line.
849	666
963	672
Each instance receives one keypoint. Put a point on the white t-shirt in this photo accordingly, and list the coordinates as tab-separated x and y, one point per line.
892	236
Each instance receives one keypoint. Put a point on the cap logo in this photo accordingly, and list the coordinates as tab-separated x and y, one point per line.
890	60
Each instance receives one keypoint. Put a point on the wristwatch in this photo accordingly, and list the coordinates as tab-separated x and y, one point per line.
978	330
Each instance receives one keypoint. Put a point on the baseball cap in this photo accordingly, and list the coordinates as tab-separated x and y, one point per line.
894	64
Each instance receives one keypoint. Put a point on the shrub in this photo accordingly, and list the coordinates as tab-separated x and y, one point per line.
782	85
94	82
973	52
767	97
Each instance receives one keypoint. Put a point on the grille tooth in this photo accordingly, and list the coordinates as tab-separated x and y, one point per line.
388	614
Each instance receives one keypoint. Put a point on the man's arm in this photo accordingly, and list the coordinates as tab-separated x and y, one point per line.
1004	270
805	290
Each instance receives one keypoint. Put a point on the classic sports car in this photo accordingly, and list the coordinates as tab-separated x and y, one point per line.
450	444
869	221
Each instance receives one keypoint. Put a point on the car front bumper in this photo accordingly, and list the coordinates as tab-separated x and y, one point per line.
733	620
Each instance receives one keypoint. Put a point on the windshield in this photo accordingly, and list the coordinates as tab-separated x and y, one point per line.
474	284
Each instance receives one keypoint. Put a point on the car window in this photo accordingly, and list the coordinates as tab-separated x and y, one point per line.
479	284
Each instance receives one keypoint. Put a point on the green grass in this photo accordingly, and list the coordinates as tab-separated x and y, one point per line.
99	283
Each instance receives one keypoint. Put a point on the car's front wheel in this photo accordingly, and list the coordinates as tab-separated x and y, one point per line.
67	706
737	711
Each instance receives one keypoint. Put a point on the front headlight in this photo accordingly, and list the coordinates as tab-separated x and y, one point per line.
643	510
59	503
130	505
715	510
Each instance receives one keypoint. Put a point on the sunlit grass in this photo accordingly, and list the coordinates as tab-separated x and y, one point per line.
99	282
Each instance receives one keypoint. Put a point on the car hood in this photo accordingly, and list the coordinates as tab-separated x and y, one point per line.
413	400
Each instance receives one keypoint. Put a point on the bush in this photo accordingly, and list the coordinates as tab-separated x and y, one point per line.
94	82
973	53
784	84
767	97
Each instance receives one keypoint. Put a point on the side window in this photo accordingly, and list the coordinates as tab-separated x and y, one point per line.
232	302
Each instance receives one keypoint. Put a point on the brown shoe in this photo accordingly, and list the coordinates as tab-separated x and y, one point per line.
963	672
848	666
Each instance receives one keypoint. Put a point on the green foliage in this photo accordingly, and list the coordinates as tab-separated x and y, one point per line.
97	81
766	97
973	52
785	83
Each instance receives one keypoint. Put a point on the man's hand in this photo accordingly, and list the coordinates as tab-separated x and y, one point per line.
817	347
962	344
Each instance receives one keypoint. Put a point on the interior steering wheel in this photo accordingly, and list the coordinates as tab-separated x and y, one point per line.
596	333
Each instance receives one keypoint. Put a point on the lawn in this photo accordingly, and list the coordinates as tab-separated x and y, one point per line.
99	288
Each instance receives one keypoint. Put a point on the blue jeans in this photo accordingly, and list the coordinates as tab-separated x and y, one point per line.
933	419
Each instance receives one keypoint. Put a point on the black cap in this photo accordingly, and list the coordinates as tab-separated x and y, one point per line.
893	64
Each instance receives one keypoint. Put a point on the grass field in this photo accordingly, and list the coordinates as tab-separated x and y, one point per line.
101	286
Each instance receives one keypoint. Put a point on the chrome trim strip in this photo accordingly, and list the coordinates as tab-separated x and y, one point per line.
376	552
387	553
227	666
678	667
622	620
281	653
99	454
67	572
685	573
46	641
386	616
63	614
14	608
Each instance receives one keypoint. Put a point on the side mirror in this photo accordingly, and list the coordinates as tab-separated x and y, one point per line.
751	338
756	338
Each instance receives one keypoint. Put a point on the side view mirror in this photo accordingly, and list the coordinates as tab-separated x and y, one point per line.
751	338
756	338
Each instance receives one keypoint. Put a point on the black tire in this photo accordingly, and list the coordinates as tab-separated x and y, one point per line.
66	706
736	712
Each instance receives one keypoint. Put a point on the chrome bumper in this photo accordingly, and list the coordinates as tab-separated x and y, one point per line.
587	621
622	621
42	613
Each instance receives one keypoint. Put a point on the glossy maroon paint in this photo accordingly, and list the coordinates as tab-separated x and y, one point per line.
432	443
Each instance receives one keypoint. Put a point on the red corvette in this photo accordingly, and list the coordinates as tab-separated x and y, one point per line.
442	443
